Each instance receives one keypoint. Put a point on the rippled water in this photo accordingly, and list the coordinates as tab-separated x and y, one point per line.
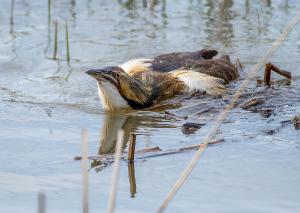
45	103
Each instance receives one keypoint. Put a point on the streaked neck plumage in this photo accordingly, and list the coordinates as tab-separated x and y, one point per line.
134	94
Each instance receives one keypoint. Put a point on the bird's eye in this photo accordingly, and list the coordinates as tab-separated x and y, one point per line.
117	75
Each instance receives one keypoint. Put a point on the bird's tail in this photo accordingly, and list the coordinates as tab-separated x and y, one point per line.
134	66
200	82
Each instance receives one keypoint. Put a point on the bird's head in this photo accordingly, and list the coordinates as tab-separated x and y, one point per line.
110	82
113	75
118	90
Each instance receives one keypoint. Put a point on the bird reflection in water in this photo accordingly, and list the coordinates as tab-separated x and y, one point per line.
130	123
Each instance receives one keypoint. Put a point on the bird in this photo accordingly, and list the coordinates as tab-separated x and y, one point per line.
141	83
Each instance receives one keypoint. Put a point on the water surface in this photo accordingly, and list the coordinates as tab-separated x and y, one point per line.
45	103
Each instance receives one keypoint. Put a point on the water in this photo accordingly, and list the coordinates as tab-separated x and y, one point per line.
46	103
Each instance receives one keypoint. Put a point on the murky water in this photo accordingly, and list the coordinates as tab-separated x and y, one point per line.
45	103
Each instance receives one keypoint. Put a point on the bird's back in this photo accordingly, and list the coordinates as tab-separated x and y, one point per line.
173	61
201	61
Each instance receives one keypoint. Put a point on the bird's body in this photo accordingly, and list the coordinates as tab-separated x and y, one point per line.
141	83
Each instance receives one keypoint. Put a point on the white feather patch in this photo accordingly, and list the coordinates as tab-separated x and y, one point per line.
136	65
200	82
110	97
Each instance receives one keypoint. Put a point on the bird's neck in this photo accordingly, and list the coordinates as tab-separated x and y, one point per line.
150	88
138	93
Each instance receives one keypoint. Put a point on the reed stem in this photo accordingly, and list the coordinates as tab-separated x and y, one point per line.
55	40
84	167
67	42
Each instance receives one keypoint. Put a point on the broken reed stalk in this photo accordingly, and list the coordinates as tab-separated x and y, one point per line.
131	148
284	73
55	40
41	197
84	167
115	173
253	72
67	42
268	69
267	75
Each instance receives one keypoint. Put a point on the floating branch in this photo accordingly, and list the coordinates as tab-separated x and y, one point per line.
148	153
253	102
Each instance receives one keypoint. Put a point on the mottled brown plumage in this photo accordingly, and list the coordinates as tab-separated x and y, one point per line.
219	68
201	61
177	60
141	83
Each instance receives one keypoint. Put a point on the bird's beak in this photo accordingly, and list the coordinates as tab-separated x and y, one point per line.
102	75
94	72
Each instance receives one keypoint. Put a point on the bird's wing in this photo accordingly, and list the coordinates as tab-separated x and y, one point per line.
137	65
201	82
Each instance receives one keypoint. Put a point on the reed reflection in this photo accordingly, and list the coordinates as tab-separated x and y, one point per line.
131	177
219	18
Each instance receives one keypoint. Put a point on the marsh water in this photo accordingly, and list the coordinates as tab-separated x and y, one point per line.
45	103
